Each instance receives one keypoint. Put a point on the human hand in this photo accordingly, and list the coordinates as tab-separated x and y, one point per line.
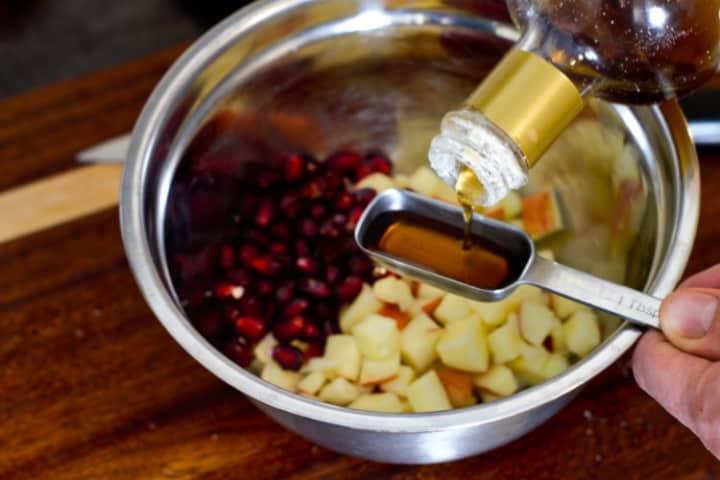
681	370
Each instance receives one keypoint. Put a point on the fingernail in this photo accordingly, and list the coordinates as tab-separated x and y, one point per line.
691	313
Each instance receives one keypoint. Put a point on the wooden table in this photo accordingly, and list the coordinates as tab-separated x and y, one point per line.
92	387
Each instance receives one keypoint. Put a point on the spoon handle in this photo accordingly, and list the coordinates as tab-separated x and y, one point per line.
638	308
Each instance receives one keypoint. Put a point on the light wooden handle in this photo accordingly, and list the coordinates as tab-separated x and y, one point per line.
58	199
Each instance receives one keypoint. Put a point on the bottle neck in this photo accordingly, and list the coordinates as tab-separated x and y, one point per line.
530	99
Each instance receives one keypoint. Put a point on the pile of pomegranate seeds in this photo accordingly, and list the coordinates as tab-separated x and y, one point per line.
287	260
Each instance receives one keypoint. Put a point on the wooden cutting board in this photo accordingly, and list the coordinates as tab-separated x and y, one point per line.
92	387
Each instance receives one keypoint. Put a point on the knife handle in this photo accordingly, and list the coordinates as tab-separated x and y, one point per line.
58	199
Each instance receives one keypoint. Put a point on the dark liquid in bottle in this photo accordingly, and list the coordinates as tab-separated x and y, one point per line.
446	254
630	51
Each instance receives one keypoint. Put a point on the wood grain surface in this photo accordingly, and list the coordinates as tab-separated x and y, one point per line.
92	387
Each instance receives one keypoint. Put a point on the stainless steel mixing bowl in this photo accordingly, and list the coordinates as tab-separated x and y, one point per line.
379	74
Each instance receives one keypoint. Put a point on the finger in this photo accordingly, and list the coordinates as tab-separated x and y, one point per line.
687	386
690	319
709	278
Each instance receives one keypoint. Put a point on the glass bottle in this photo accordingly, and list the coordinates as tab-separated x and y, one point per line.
625	51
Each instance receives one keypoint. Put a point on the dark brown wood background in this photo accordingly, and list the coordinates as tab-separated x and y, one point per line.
92	387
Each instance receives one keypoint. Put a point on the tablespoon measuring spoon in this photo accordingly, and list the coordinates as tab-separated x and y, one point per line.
503	240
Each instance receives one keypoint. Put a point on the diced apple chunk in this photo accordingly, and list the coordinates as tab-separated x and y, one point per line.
504	342
363	305
424	181
557	339
536	322
511	205
427	394
463	345
344	351
274	373
499	380
488	397
425	305
393	290
393	311
495	313
418	341
379	402
263	350
555	365
452	308
529	365
541	215
428	291
458	386
377	337
326	366
582	332
339	392
377	181
379	371
399	384
312	383
565	307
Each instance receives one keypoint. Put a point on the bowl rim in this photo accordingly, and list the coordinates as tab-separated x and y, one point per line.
139	252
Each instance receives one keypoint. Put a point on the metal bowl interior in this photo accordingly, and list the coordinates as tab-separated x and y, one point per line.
379	75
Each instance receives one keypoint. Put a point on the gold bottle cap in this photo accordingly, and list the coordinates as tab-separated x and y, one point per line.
529	99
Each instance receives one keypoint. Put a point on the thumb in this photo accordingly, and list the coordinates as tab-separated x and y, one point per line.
690	320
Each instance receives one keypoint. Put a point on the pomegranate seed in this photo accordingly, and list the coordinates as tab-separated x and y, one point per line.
227	257
364	196
313	189
209	323
344	201
339	220
239	351
265	287
285	292
278	248
239	277
289	329
315	288
307	228
288	357
229	290
290	205
251	328
267	178
310	332
280	230
301	248
294	168
202	263
265	213
332	274
296	307
256	237
307	265
265	265
344	161
329	230
247	252
349	288
333	181
360	265
354	217
379	163
362	171
318	211
250	306
314	349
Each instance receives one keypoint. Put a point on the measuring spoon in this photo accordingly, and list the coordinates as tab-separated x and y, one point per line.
504	240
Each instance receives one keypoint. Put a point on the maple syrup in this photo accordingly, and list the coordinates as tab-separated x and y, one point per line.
443	250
